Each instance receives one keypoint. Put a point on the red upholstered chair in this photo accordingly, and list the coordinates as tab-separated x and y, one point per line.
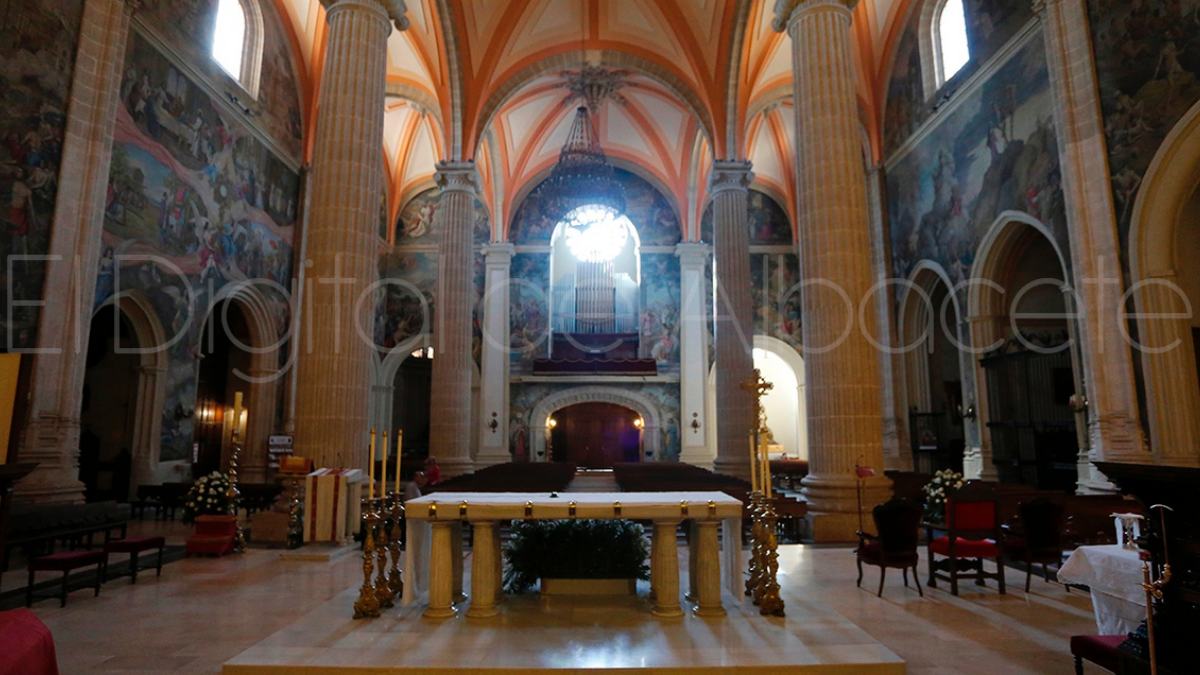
897	523
1037	537
1102	650
972	533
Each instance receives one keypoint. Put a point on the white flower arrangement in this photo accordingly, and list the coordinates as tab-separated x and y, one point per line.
943	482
208	496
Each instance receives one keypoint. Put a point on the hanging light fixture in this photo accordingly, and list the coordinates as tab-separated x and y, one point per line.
583	173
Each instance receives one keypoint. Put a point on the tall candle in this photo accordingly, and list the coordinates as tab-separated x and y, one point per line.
753	464
371	468
399	446
383	467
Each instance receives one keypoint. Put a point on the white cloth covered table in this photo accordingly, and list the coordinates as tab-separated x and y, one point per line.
1114	575
501	506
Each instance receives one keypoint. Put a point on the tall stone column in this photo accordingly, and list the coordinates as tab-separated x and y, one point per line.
897	450
1113	429
841	366
332	399
450	417
51	436
693	355
493	393
734	324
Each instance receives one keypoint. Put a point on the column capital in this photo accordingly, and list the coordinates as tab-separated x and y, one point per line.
457	177
730	175
395	10
787	11
692	253
499	254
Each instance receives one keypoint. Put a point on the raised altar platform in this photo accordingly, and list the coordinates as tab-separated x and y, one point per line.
575	635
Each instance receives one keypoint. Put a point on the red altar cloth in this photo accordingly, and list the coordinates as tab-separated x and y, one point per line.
26	645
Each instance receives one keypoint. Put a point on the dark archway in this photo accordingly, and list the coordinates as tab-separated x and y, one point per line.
223	354
411	401
596	435
110	407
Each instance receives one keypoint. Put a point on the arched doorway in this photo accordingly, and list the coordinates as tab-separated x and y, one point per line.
786	408
1026	356
222	381
121	413
595	435
543	419
110	407
411	388
929	319
1164	241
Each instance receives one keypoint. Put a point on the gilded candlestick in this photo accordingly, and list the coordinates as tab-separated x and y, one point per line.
383	528
367	605
395	580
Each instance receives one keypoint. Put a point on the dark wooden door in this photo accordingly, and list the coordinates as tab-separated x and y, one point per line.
595	435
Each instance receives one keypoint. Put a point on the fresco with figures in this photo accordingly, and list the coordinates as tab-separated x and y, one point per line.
650	212
417	225
528	308
195	202
991	24
1148	60
188	25
660	304
776	295
37	52
767	222
524	397
995	151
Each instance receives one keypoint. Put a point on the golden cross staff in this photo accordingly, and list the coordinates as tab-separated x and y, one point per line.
759	467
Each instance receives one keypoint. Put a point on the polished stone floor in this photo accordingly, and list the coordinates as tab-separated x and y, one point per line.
204	612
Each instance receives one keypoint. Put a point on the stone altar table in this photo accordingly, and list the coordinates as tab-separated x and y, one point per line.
433	557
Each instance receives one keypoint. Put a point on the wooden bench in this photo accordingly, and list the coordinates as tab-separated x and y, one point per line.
40	529
65	562
133	546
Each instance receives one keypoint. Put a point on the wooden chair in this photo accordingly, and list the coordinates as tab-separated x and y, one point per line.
897	523
1037	537
972	533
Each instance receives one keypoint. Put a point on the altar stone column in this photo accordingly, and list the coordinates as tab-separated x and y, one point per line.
842	373
665	570
51	435
693	353
1107	360
734	325
493	392
450	414
333	397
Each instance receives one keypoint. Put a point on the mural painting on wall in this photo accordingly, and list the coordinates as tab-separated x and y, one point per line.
524	397
37	41
659	324
405	310
990	25
995	152
1148	61
767	222
188	25
418	226
203	204
656	222
529	293
776	296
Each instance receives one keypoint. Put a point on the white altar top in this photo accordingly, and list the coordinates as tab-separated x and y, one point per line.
495	506
1114	575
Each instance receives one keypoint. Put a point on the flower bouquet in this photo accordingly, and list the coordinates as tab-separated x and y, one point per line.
208	496
944	482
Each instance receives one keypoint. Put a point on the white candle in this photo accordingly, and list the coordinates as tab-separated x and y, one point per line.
371	468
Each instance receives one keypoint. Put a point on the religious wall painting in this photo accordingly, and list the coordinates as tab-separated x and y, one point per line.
37	51
406	306
418	226
1148	65
651	213
529	316
775	294
766	222
658	325
187	26
995	152
991	24
195	202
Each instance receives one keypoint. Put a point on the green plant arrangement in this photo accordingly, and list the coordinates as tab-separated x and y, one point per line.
574	549
208	496
944	482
